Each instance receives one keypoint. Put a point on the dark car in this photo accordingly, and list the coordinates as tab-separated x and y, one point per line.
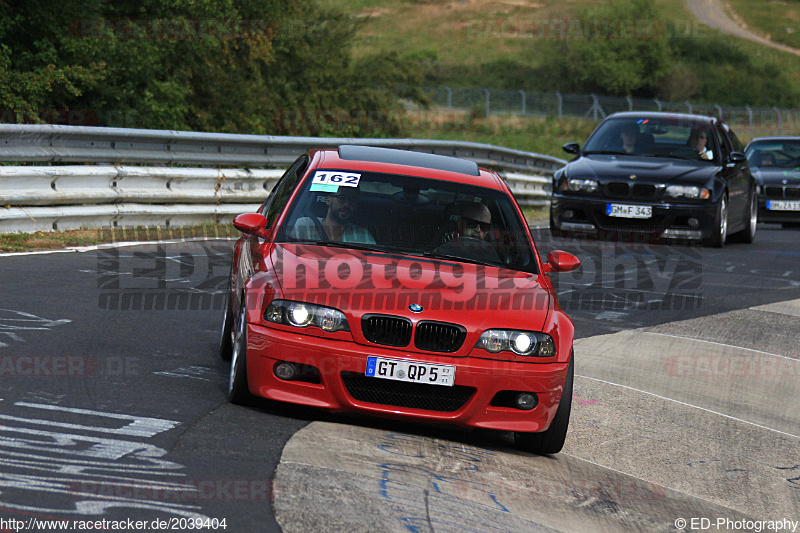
776	166
403	285
654	176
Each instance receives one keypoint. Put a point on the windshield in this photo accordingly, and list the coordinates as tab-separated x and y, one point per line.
409	215
675	138
774	154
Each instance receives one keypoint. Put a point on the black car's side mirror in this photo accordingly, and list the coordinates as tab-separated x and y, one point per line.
572	148
738	157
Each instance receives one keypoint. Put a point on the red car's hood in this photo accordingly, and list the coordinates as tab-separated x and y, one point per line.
361	282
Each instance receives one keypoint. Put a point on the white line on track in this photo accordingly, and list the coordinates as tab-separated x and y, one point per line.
721	344
114	245
690	405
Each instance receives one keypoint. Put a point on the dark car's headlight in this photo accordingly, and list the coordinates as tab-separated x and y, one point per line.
688	191
581	185
302	315
527	343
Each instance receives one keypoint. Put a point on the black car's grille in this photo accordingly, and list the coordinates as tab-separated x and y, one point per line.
439	336
775	192
792	192
644	191
620	190
386	330
402	394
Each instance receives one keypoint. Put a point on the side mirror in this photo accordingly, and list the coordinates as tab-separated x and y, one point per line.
738	157
572	148
558	261
252	224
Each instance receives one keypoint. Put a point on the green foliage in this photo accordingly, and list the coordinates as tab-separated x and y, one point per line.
610	49
727	74
260	66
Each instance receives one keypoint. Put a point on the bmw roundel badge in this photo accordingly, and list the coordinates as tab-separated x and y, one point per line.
415	308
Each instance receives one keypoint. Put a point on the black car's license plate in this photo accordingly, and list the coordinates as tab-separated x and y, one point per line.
629	211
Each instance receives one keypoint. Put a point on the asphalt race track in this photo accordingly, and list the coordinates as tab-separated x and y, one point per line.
687	405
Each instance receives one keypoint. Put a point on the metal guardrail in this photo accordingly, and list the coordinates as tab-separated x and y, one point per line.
46	198
81	144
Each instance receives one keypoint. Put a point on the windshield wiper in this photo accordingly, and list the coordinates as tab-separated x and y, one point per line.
449	257
352	245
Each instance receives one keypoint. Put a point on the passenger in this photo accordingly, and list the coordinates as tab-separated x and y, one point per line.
469	241
698	140
337	224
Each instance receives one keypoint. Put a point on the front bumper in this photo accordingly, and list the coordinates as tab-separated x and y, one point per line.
668	221
341	362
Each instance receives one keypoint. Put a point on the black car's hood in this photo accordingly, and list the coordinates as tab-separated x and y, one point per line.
777	176
606	168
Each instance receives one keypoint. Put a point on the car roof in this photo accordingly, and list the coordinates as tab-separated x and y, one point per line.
774	139
393	161
681	117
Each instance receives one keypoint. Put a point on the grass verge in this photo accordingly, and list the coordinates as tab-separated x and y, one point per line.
23	242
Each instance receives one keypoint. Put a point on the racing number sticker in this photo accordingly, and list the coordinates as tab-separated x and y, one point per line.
331	180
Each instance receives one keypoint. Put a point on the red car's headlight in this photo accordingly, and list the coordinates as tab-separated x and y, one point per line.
301	315
525	343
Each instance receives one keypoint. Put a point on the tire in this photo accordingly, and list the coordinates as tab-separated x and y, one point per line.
552	439
238	390
226	335
748	234
717	239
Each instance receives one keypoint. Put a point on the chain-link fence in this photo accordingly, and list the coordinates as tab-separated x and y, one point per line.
753	121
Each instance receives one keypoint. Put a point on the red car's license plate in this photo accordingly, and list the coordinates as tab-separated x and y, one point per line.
411	371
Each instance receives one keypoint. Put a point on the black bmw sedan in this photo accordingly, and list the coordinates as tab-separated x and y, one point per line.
653	176
776	166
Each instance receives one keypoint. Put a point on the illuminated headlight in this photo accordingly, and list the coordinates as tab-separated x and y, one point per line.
581	185
688	191
527	343
301	315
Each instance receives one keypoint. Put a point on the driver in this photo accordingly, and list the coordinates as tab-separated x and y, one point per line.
698	140
337	224
469	241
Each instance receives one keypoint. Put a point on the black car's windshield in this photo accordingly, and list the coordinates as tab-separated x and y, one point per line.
774	154
408	215
649	137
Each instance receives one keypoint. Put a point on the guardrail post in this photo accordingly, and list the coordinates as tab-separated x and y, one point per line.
449	98
688	105
523	101
630	103
750	119
560	103
778	111
719	110
485	90
658	104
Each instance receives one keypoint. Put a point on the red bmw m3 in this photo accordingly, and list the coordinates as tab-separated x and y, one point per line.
400	284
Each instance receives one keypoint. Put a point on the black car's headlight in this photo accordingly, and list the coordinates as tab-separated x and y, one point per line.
688	191
581	185
302	315
527	343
